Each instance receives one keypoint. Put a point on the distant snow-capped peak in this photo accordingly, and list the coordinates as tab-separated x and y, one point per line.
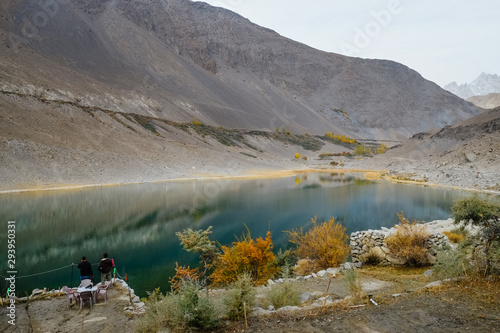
483	85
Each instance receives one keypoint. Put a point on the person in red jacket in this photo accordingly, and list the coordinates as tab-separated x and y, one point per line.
105	266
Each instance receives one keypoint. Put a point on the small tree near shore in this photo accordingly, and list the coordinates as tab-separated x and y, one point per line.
198	241
485	215
325	244
253	257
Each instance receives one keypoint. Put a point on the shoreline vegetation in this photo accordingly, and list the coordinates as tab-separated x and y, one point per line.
369	174
471	264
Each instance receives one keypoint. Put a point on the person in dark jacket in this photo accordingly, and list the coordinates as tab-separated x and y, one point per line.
85	270
104	268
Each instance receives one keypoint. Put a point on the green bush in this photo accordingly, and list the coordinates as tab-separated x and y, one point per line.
194	308
354	285
285	260
284	294
239	297
476	211
362	150
486	215
452	264
494	256
155	317
184	310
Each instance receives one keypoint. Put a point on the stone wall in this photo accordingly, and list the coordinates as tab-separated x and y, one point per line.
373	241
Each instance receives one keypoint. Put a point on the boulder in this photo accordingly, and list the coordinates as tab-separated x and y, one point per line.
306	297
470	157
395	260
321	273
348	265
36	292
434	284
385	249
430	258
289	308
429	272
378	252
258	311
333	271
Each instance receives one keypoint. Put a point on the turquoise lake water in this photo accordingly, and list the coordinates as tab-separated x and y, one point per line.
136	224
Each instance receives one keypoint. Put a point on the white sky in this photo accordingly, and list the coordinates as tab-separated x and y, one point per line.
444	41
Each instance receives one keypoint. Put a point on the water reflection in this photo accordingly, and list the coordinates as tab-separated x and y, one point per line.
136	224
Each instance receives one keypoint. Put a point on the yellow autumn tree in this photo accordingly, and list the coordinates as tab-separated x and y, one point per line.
325	244
341	138
246	255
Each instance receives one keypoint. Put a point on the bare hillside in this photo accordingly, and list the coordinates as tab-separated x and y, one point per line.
466	155
107	91
489	101
176	59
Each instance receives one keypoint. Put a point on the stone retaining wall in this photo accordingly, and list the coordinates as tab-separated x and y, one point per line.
373	241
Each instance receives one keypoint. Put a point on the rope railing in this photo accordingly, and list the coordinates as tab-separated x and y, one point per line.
41	273
72	265
50	271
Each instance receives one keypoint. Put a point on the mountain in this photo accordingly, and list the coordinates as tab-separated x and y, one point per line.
483	85
489	101
466	154
106	91
178	59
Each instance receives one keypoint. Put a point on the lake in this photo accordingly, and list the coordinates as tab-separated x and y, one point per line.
136	224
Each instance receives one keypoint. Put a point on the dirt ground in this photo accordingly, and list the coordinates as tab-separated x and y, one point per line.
404	305
423	312
54	315
469	307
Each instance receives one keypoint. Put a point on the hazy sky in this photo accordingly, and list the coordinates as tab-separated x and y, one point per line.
443	40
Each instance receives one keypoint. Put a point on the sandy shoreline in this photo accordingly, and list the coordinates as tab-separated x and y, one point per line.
251	174
370	174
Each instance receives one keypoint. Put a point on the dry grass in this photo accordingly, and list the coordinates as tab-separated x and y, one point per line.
305	267
454	237
402	278
483	291
409	242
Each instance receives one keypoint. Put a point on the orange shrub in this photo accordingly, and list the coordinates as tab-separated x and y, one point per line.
325	243
254	257
409	242
183	274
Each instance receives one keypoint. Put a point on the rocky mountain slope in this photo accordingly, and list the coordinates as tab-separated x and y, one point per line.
177	59
105	91
466	154
489	101
483	85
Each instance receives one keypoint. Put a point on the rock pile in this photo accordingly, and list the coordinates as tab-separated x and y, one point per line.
371	243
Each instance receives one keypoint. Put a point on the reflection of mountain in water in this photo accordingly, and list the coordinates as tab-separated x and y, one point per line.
136	224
